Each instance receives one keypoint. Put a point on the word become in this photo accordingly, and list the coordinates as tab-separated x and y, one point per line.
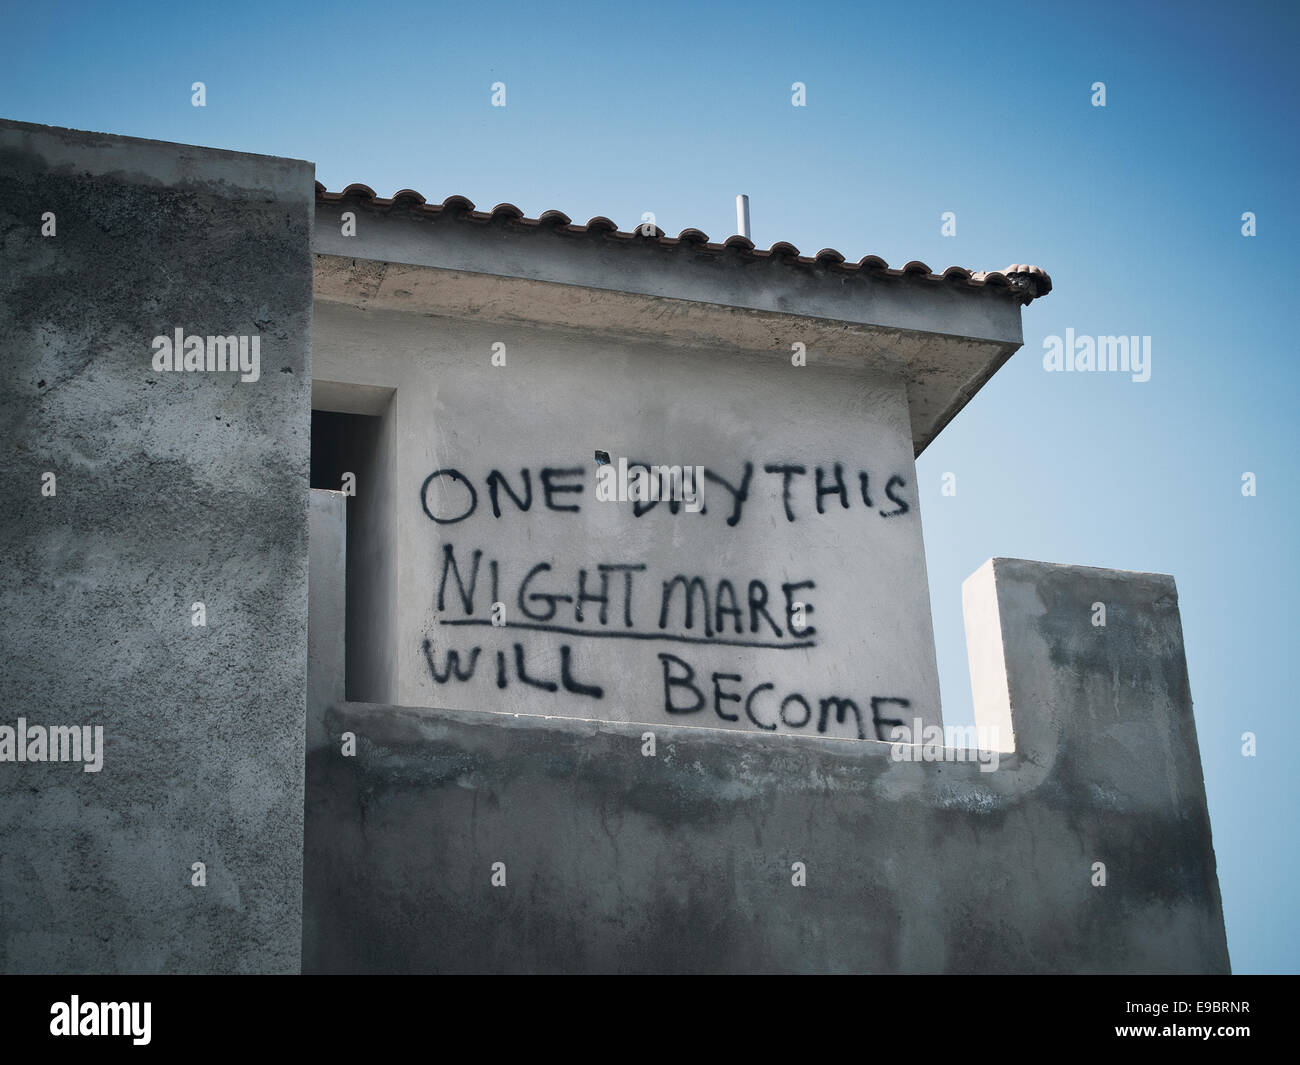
794	710
651	484
214	354
57	743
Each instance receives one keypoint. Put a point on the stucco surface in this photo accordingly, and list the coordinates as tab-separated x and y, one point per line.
615	861
172	489
808	496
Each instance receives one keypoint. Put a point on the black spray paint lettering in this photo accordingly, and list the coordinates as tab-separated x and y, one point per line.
835	489
695	589
605	569
707	611
683	696
456	483
738	494
550	489
496	481
447	496
453	664
567	681
787	472
902	507
691	608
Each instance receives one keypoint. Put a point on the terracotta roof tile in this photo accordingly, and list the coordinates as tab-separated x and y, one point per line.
554	218
1025	283
452	205
507	211
365	192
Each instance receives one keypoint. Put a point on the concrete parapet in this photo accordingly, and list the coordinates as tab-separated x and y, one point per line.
618	847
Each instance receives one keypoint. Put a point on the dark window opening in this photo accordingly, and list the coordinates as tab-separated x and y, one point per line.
340	443
345	457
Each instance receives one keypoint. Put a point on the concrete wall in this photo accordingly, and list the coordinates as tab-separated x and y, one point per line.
374	573
327	598
470	433
615	834
172	488
683	860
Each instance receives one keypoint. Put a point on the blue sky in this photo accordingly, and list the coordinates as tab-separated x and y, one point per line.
912	110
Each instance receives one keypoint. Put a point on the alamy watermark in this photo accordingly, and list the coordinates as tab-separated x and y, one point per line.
213	354
53	743
649	483
1087	354
946	743
75	1017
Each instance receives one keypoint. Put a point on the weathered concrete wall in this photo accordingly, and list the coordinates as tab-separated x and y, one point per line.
327	604
172	488
615	860
472	437
375	578
1103	727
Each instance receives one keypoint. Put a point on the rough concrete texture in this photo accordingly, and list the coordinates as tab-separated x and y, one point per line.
327	597
1102	720
487	496
172	489
616	861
